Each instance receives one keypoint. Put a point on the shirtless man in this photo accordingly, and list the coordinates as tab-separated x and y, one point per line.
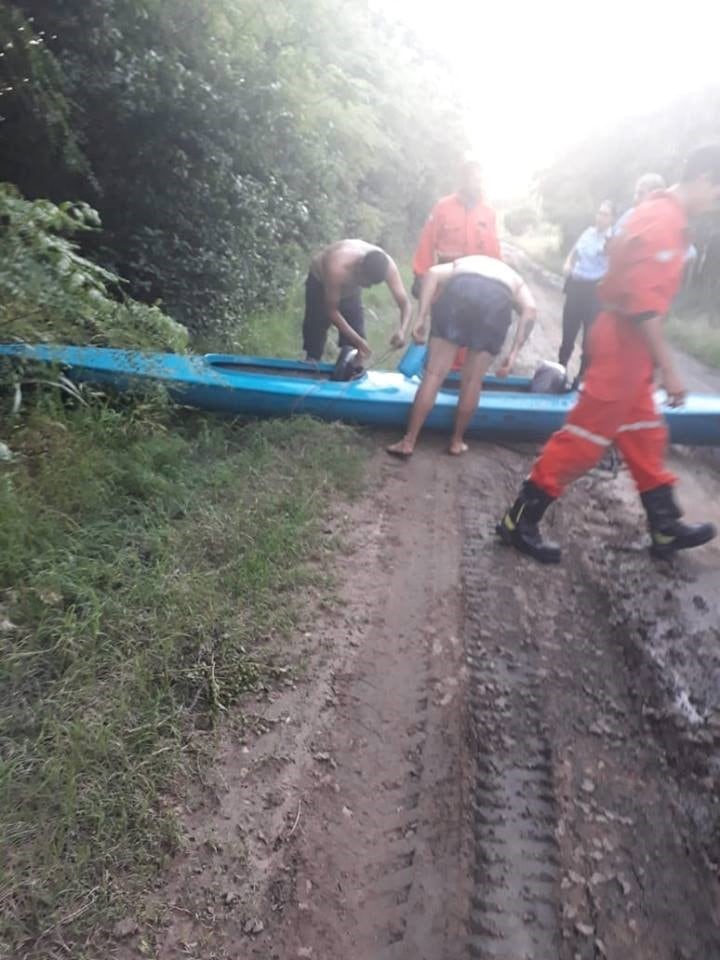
333	296
473	308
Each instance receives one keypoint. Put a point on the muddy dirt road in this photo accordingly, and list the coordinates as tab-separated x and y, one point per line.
482	757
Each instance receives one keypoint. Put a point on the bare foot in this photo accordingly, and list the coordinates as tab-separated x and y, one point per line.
401	449
457	449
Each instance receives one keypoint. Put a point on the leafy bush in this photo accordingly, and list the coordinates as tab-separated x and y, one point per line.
49	292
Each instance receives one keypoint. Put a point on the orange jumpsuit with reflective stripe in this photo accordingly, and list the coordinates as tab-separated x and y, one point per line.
455	230
616	404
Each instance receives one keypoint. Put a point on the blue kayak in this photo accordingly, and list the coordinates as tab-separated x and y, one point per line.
267	387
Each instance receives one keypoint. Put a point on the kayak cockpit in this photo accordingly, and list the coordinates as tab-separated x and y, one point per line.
496	384
272	367
304	371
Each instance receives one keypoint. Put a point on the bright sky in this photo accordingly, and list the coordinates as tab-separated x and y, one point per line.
536	76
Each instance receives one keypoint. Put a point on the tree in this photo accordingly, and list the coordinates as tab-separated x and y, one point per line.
49	292
221	141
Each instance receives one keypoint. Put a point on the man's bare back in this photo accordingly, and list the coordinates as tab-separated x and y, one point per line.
336	264
489	267
338	274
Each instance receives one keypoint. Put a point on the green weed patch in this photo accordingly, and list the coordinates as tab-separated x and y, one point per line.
142	555
697	334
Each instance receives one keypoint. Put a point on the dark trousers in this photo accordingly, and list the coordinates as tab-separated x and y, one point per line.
581	308
317	322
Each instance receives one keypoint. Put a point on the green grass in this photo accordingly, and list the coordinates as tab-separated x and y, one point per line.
696	333
143	555
278	332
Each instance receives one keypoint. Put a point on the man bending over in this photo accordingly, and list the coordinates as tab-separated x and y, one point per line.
333	296
470	303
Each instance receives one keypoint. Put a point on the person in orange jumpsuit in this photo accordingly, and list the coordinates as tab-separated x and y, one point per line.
627	345
459	225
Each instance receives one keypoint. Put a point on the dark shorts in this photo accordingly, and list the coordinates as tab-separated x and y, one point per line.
317	321
473	312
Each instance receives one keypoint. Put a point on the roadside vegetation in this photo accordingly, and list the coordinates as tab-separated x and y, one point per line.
221	142
541	241
697	333
150	558
170	172
50	292
146	558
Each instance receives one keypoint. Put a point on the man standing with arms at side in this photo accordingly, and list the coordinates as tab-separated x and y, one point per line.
459	225
645	270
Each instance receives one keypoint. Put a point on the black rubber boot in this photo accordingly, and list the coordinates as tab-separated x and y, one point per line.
667	532
519	527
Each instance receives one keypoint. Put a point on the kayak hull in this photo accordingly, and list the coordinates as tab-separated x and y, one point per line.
268	387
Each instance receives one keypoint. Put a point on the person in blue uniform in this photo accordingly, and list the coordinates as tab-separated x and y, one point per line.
585	266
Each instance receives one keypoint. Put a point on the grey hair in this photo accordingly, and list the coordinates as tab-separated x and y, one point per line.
649	182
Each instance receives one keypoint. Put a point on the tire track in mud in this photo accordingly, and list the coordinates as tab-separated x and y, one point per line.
621	871
514	912
410	897
481	783
382	862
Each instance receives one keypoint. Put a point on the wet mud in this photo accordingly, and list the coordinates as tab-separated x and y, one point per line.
474	756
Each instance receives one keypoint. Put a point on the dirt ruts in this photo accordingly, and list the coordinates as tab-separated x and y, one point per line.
388	831
597	843
516	879
472	756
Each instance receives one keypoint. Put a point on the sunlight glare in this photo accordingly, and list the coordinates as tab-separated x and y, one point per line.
535	78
